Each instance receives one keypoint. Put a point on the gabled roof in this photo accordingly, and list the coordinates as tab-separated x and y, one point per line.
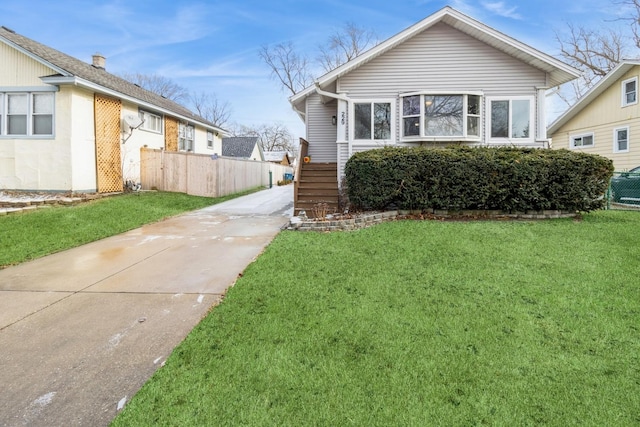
73	71
603	84
558	71
275	156
240	146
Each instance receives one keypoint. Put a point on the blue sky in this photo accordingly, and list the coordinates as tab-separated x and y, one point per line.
212	46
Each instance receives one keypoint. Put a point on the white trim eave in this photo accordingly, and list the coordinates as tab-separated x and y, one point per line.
562	72
614	75
77	81
324	93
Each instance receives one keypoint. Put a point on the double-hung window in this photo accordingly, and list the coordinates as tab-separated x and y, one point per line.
150	121
579	141
185	137
447	116
372	121
621	140
630	91
511	118
210	139
26	114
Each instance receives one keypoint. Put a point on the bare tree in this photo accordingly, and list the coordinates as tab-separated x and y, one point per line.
208	106
288	66
158	84
271	137
294	70
633	18
345	45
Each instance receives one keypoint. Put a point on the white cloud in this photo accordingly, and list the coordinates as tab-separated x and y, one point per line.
501	9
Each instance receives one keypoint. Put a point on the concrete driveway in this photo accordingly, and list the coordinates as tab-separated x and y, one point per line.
82	330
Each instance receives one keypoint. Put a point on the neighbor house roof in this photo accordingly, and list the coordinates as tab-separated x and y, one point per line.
74	71
558	71
240	146
603	84
275	156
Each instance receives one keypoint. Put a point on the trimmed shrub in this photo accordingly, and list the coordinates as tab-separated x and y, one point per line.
456	178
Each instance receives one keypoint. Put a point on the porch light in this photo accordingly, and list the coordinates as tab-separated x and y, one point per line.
334	120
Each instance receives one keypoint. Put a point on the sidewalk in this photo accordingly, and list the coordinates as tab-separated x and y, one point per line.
82	330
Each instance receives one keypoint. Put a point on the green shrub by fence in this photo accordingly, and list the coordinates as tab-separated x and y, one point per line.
508	179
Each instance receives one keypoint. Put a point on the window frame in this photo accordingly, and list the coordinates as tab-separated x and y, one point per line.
210	141
581	136
184	142
623	90
466	114
30	114
372	102
144	126
616	141
509	138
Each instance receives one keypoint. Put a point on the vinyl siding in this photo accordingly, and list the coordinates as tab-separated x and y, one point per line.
19	69
321	133
601	117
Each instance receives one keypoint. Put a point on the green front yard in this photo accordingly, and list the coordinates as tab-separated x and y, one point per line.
419	323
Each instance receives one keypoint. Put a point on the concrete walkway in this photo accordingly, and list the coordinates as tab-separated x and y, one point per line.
82	330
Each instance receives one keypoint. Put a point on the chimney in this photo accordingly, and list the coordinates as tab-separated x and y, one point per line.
99	61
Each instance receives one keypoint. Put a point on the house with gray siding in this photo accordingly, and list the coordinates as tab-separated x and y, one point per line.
448	79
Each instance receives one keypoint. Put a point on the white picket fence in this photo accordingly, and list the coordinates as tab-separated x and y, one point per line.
205	175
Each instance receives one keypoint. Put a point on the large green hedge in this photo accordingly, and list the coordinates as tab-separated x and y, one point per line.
457	178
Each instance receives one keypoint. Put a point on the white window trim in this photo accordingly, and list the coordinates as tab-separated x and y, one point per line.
573	137
210	142
465	102
4	111
144	124
623	96
615	139
352	107
191	142
510	140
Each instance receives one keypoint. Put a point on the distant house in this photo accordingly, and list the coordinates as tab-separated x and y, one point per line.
606	120
448	79
242	147
67	125
279	157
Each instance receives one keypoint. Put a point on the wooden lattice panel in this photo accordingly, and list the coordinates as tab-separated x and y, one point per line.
170	134
108	160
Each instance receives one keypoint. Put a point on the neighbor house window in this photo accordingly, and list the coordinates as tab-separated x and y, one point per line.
26	114
630	92
511	118
209	139
150	121
185	137
621	140
585	140
441	115
372	120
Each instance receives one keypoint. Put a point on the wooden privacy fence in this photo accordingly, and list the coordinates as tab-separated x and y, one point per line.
203	174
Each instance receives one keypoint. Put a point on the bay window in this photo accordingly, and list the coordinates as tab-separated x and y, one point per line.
449	116
26	114
372	120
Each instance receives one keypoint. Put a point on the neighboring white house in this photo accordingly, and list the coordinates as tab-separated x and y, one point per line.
449	79
67	125
606	120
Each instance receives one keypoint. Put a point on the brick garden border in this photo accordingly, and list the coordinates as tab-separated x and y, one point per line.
368	219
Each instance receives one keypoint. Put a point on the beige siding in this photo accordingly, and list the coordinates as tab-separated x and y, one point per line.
321	133
601	117
19	69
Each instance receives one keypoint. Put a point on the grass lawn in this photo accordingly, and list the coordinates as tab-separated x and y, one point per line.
418	323
44	231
